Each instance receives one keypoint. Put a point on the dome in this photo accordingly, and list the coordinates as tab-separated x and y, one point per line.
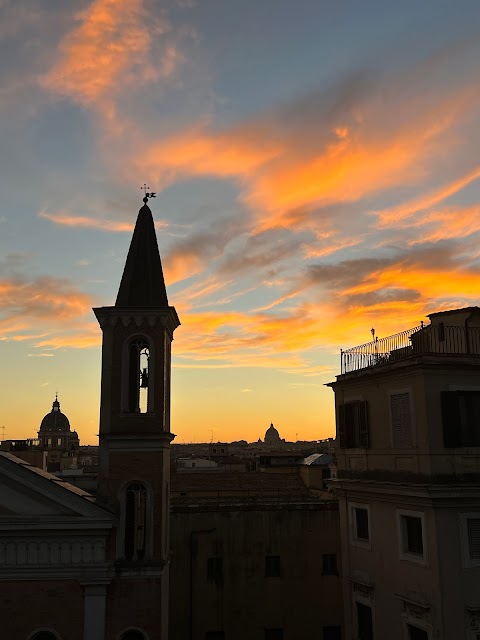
55	420
271	434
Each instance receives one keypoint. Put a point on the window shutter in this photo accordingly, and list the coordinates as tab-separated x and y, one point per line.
401	420
341	426
473	525
450	418
364	440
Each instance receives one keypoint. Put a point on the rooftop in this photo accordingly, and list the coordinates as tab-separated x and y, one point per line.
47	476
451	333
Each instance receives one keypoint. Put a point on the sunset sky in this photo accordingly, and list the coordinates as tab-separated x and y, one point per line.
317	169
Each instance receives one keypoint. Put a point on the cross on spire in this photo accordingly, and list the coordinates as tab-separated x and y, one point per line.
148	194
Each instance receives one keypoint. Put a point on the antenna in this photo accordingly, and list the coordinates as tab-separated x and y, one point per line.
3	432
211	436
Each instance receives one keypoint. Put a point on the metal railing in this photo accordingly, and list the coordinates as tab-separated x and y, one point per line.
421	340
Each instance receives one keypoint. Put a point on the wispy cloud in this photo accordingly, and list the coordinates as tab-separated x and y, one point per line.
87	222
112	48
399	213
45	312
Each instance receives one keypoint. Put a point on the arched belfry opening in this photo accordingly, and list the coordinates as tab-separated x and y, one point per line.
138	375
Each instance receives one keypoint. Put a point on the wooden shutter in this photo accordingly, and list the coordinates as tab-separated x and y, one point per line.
401	420
450	419
341	426
364	440
473	525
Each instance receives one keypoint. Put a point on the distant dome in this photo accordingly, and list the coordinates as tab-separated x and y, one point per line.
55	420
271	434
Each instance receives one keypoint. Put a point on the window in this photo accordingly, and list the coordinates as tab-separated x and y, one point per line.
460	417
272	566
215	569
470	529
412	535
273	634
329	564
416	633
401	420
59	442
135	521
332	633
412	539
364	621
215	635
360	524
353	425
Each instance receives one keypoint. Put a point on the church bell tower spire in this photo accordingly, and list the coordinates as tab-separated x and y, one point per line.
135	431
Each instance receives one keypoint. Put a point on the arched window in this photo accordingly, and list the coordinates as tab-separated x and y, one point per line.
133	634
138	375
44	634
135	521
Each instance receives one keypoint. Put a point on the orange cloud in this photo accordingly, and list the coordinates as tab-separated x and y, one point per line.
283	176
397	214
232	154
455	222
110	50
44	312
435	282
87	222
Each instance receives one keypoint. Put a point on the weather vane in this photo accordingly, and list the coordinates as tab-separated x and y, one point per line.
148	194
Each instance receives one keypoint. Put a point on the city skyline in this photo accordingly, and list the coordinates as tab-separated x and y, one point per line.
316	177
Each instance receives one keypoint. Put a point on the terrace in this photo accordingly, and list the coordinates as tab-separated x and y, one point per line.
433	339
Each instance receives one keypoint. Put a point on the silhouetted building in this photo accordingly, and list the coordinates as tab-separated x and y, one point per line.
254	555
272	437
55	432
408	457
78	567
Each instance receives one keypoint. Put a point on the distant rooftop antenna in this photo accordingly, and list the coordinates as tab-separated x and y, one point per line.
3	432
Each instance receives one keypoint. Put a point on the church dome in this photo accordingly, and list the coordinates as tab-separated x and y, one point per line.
55	420
271	434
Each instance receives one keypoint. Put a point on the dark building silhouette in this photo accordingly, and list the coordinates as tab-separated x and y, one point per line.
74	566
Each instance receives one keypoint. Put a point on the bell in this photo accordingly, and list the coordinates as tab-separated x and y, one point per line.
144	375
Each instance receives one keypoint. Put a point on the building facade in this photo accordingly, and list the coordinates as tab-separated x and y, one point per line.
408	482
254	556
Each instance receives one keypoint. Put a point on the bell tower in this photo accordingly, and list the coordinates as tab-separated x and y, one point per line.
135	436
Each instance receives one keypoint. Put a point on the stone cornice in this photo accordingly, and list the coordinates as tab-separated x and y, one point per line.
120	442
149	318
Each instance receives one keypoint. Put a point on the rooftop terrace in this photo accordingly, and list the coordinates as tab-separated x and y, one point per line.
433	339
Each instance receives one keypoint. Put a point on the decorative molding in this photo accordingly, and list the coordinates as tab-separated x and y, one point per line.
110	316
416	609
131	443
61	551
363	592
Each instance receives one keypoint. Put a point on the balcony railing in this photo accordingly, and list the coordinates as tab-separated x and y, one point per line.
432	339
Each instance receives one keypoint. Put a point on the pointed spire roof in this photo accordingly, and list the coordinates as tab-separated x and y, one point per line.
142	282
